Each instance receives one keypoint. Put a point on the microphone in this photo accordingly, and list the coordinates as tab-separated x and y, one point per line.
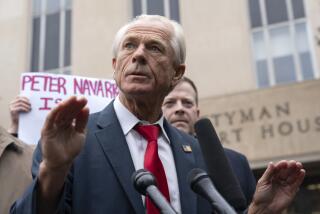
201	184
219	169
145	183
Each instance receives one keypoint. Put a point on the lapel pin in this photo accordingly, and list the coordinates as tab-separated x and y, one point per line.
186	148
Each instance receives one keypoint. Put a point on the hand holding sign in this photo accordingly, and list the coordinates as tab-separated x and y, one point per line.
63	133
19	105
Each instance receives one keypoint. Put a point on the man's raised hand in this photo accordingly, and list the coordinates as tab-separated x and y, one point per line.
277	187
63	134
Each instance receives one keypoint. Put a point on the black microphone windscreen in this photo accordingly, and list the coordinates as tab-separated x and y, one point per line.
194	176
219	169
145	183
142	179
201	184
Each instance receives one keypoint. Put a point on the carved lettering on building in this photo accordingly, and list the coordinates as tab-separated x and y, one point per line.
269	121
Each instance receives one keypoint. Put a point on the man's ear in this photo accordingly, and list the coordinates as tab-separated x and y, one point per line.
198	113
114	62
179	72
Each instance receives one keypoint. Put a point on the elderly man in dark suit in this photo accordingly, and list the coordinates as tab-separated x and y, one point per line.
84	166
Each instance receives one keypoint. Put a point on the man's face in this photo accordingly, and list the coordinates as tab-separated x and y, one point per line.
144	66
180	108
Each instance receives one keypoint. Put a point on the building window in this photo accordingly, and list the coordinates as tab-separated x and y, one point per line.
280	41
51	36
167	8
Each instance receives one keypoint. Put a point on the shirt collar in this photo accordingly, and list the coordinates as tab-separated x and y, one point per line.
128	120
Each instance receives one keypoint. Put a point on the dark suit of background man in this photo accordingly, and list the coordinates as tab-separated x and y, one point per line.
180	108
85	166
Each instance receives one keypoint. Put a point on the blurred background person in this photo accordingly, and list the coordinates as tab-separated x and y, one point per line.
180	108
15	157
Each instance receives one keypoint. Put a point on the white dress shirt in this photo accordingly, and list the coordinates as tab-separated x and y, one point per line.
137	146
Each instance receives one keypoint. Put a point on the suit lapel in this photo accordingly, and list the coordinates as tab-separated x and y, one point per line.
184	162
115	147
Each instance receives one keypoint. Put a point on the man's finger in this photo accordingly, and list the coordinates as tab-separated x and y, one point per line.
21	107
51	117
81	120
268	174
71	108
287	170
58	113
294	173
300	178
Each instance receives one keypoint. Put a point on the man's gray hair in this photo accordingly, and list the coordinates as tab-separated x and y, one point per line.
177	41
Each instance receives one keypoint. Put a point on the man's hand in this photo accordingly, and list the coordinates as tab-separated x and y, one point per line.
18	105
277	187
62	138
63	133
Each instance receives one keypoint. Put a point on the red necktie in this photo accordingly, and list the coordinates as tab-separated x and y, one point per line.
153	163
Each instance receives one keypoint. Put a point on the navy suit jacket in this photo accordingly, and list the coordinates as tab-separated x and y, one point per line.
242	172
100	178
